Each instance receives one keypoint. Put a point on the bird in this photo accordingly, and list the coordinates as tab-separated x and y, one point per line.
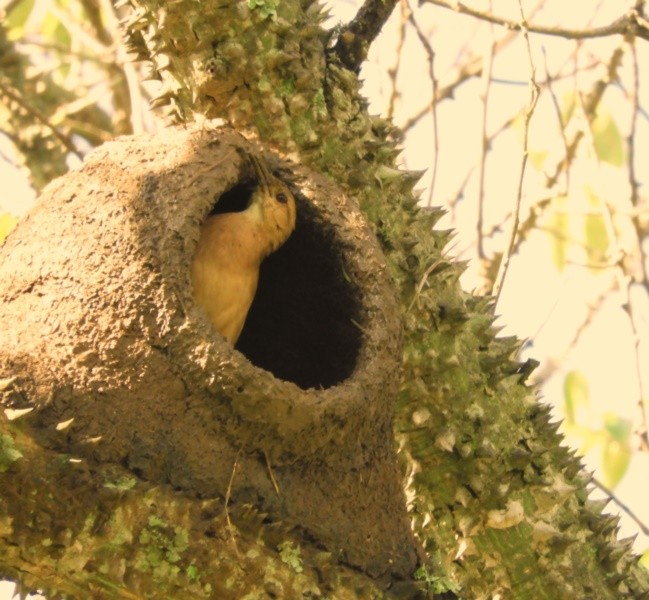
232	246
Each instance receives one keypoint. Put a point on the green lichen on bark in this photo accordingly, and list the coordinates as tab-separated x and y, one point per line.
81	532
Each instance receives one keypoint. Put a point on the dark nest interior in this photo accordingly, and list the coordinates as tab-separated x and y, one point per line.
303	324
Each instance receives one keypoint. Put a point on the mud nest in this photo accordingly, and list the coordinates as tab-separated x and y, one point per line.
103	335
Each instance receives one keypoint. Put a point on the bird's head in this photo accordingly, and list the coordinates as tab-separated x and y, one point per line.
274	205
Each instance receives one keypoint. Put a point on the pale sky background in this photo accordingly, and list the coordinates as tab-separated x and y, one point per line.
538	302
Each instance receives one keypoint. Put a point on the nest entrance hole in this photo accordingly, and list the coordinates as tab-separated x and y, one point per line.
301	323
235	199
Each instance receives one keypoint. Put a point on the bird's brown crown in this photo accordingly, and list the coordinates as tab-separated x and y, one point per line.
273	205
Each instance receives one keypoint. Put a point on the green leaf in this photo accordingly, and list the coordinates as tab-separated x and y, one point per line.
123	483
17	17
596	236
49	25
435	583
616	454
62	36
595	231
7	223
608	140
537	158
576	394
615	461
192	573
290	555
560	227
618	428
54	30
286	88
267	8
644	561
155	521
8	452
568	107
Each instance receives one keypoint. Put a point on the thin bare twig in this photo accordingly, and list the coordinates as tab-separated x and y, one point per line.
533	98
630	142
459	195
592	309
621	504
641	259
628	307
271	474
430	54
487	68
589	108
471	68
130	96
394	72
228	493
423	280
590	104
562	125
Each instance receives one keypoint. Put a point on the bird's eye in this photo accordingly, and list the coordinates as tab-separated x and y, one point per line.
281	197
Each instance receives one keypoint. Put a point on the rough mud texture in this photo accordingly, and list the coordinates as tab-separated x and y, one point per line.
103	338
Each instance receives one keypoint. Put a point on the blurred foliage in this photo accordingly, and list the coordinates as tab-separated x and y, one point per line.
607	140
66	83
613	435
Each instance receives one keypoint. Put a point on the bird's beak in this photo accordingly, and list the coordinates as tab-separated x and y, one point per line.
261	170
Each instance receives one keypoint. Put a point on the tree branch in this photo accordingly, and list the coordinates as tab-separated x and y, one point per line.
534	91
634	23
354	40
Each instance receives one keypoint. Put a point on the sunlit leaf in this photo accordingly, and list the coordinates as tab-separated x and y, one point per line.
595	231
8	453
55	30
615	461
7	223
644	560
618	428
616	454
560	233
588	438
62	36
568	107
608	140
17	17
537	158
49	24
576	394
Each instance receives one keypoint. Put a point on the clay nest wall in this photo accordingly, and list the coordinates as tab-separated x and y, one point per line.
103	340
